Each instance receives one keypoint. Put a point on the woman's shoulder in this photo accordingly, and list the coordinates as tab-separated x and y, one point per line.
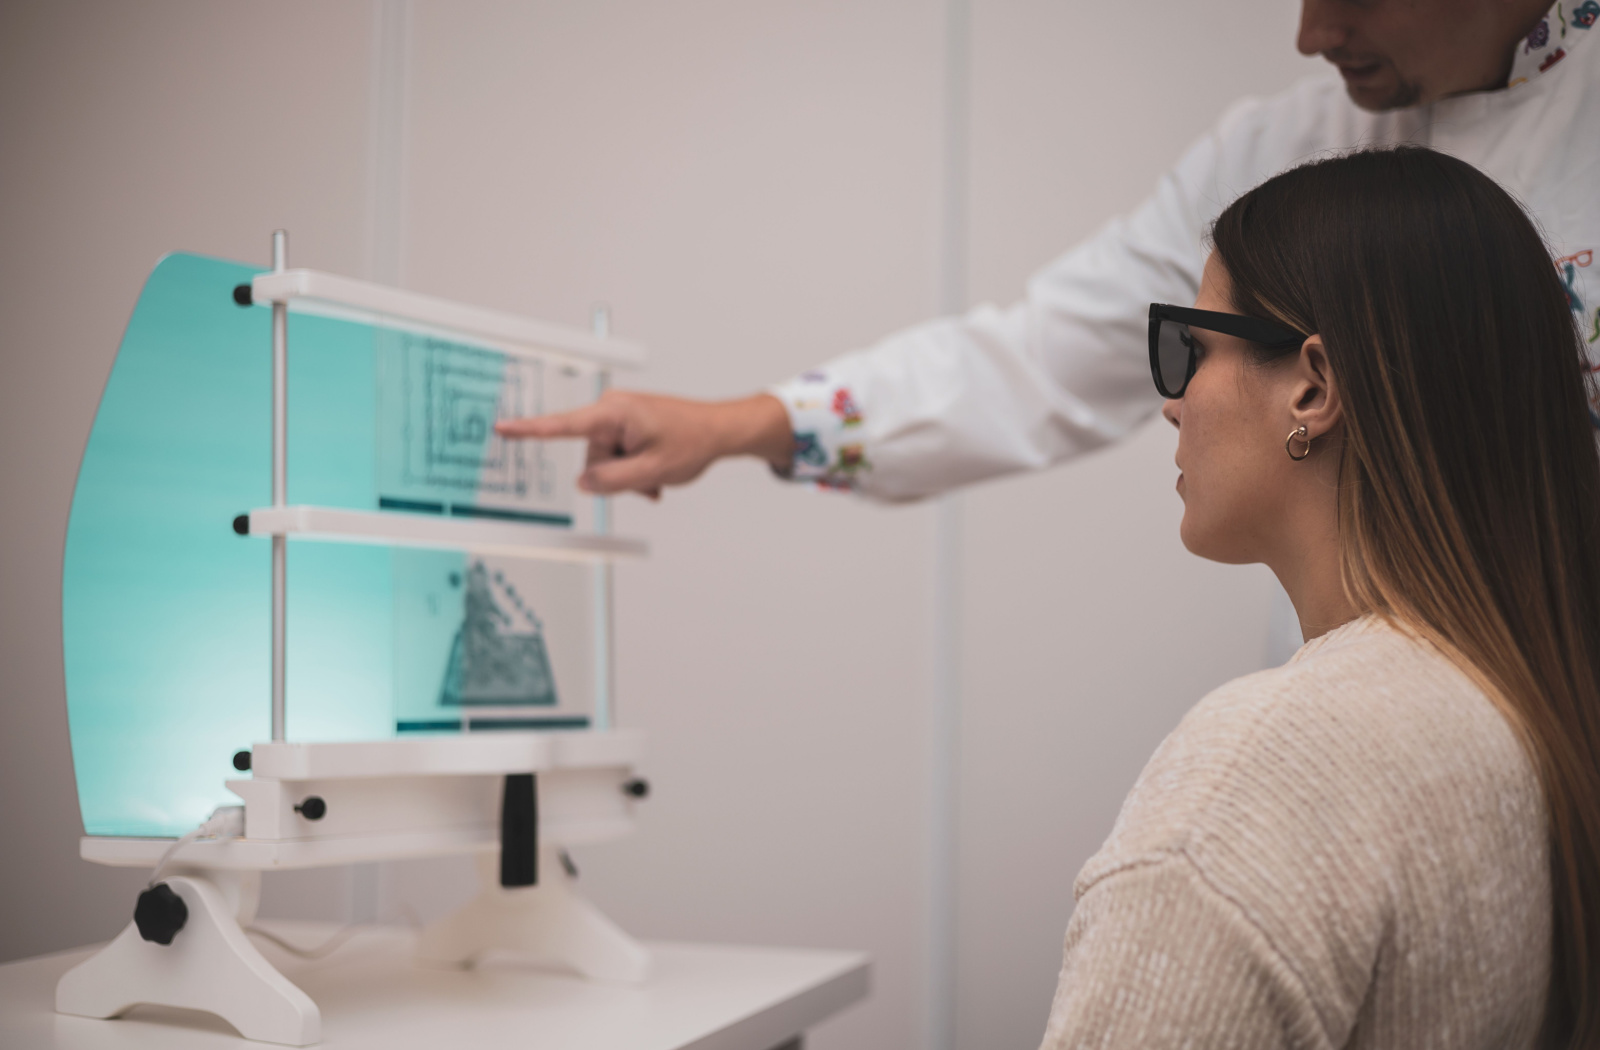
1364	802
1368	738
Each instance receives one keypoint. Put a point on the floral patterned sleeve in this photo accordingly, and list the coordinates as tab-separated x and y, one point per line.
829	449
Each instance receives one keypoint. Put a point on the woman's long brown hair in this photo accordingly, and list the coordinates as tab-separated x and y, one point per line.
1469	480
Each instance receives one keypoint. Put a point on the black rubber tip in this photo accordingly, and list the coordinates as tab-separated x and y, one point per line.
241	524
638	787
241	761
242	295
313	808
160	914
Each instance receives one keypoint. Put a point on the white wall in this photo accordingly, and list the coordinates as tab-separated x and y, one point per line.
1088	629
751	188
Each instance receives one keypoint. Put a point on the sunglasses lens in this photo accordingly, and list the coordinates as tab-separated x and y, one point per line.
1174	352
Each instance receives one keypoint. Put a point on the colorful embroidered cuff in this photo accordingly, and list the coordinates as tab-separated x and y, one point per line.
827	425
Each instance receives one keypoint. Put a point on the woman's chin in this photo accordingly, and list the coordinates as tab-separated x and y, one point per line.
1225	548
1211	544
1187	534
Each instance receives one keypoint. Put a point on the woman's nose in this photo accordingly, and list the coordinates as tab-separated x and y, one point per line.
1172	410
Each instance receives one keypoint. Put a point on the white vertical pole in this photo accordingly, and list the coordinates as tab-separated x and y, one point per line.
386	185
945	630
280	475
604	624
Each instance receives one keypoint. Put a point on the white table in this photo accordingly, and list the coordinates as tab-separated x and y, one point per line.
371	994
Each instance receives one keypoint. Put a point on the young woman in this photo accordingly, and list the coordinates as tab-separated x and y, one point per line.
1394	839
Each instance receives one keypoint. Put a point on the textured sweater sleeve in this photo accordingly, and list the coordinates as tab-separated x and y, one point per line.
1156	957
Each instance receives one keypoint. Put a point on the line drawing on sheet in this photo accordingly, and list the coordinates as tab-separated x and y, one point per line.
440	401
498	657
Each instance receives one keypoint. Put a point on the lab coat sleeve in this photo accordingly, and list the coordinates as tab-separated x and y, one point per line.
1059	373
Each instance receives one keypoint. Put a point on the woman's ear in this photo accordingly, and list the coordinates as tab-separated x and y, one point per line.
1315	395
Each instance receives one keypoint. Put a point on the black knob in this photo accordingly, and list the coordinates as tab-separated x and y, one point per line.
241	524
243	295
160	914
313	808
638	787
241	761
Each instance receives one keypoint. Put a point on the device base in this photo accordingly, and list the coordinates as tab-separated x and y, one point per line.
550	924
210	965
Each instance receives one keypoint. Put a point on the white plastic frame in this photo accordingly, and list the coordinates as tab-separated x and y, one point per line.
335	295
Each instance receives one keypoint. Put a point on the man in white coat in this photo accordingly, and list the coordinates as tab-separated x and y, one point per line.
1510	86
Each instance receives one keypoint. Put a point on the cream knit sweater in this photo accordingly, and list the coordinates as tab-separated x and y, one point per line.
1347	851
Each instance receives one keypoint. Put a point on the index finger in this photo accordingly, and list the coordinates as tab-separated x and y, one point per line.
582	422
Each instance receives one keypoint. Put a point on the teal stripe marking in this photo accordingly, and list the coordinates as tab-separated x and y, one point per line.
413	505
479	725
467	510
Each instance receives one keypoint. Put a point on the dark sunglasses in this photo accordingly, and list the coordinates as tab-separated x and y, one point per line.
1172	347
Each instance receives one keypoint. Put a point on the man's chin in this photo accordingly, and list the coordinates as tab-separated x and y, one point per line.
1382	93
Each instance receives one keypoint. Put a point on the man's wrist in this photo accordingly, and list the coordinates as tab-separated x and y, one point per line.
757	426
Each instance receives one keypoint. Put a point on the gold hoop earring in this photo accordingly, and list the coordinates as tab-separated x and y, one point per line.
1297	434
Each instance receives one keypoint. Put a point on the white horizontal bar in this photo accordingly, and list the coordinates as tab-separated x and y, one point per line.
473	754
395	529
268	855
382	303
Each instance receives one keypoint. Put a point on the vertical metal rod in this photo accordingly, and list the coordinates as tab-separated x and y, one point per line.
604	702
280	478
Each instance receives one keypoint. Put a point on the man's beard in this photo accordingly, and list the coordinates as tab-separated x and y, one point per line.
1404	95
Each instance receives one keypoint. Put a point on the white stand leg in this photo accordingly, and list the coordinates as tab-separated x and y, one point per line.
551	923
210	965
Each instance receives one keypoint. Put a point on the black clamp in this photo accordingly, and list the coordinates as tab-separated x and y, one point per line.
519	831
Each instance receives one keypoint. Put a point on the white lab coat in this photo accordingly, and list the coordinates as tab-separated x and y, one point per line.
1065	370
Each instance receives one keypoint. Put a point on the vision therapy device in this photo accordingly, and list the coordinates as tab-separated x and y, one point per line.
399	648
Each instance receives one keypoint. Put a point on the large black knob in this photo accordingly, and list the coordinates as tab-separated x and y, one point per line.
160	914
312	808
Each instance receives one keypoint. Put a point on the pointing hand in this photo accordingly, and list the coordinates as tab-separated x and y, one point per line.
644	442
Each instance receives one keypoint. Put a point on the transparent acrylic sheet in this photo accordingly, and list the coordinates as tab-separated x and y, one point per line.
437	452
166	611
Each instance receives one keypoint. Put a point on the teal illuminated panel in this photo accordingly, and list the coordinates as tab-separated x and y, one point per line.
166	610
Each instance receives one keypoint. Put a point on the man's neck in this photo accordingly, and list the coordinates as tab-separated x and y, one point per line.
1523	21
